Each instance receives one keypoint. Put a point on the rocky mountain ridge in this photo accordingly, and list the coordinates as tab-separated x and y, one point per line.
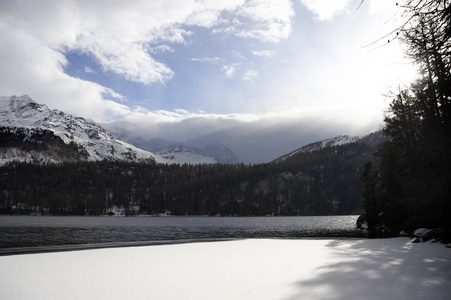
34	132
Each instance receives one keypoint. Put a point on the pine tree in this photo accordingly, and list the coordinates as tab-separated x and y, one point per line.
370	198
415	160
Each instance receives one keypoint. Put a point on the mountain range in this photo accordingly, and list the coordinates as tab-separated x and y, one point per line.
33	132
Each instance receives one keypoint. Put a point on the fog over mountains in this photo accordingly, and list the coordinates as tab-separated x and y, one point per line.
200	145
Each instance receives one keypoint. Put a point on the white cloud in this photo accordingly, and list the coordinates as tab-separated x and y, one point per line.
270	20
263	53
268	10
160	49
89	70
274	33
228	71
209	60
250	75
133	63
325	10
206	18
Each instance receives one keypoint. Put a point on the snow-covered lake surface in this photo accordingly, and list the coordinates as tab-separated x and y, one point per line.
26	231
285	269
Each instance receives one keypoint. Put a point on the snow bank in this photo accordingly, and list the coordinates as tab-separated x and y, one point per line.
242	269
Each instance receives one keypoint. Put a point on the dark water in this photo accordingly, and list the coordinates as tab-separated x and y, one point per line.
25	231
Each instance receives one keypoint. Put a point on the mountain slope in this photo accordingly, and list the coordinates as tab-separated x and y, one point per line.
180	155
35	133
210	150
327	143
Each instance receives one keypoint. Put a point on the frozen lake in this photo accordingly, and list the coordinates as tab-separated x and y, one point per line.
249	269
25	231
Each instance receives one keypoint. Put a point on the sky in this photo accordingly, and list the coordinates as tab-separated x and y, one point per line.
262	77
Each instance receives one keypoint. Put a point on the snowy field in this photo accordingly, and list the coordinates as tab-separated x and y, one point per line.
240	269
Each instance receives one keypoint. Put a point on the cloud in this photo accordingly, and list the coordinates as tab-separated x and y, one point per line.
206	18
274	32
209	60
228	71
133	63
254	138
263	53
279	11
250	75
89	70
270	20
325	10
160	49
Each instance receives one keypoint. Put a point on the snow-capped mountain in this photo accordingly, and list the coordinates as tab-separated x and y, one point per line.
180	155
336	141
201	147
33	132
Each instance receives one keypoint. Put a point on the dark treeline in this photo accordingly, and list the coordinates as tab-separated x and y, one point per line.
411	187
323	182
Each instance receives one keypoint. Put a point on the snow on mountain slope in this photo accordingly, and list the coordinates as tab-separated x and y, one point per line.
209	147
180	155
336	141
206	151
33	132
153	145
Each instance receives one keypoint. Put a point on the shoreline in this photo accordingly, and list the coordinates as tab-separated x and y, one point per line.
93	246
110	245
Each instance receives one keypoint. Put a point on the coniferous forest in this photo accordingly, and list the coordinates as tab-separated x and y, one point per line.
410	187
322	182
